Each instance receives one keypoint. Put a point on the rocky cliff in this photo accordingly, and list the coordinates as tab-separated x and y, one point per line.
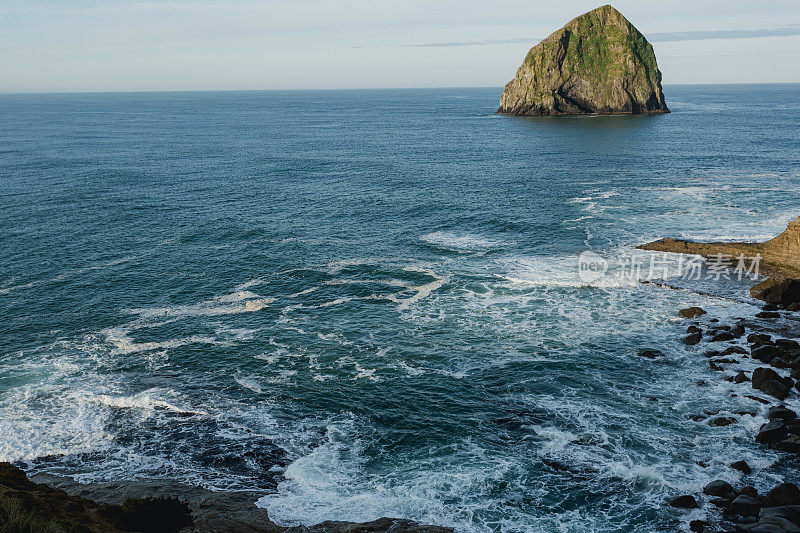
779	256
597	63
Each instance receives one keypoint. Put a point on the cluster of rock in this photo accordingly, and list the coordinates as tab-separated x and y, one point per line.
598	63
778	511
767	339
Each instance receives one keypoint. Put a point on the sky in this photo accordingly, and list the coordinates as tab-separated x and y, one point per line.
138	45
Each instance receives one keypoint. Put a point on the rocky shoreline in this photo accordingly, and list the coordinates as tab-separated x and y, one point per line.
770	338
54	504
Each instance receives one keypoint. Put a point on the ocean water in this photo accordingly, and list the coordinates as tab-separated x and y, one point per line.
359	304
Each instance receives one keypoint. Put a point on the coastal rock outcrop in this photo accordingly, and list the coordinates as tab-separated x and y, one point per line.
599	63
53	503
780	258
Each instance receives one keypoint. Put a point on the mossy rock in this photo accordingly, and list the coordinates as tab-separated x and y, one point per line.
599	63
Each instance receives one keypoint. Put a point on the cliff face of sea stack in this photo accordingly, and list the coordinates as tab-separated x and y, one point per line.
599	63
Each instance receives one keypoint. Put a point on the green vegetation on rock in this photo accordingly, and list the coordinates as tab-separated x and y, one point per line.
597	63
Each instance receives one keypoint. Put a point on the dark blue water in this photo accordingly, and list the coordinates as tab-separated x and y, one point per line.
366	303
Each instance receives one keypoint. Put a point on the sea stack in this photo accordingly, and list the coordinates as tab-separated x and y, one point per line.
599	63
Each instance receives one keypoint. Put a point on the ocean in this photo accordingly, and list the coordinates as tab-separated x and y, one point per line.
358	304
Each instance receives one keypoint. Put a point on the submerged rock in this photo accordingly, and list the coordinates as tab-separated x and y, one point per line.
597	63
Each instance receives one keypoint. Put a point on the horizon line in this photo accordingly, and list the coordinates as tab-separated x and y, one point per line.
436	87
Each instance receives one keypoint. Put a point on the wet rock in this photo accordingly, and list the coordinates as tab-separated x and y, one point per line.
693	339
718	488
762	374
745	506
691	312
779	292
768	314
790	444
715	367
757	399
781	412
766	352
741	377
787	512
771	525
721	502
722	421
698	526
772	433
686	501
776	389
747	490
723	337
651	354
759	338
742	467
734	350
784	494
788	344
693	329
738	331
777	362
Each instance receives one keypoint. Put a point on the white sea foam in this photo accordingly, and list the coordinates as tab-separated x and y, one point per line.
460	242
237	302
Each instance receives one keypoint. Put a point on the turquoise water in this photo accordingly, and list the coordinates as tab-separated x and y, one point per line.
365	303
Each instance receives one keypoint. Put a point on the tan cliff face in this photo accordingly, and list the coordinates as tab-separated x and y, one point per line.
779	256
597	63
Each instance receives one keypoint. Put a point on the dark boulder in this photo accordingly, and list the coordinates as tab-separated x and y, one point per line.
722	421
686	501
723	337
691	312
745	506
759	338
776	389
698	526
784	494
790	444
718	488
742	467
762	374
766	353
772	432
781	412
788	344
693	338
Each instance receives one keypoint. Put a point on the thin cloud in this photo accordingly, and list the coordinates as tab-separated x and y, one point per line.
674	36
